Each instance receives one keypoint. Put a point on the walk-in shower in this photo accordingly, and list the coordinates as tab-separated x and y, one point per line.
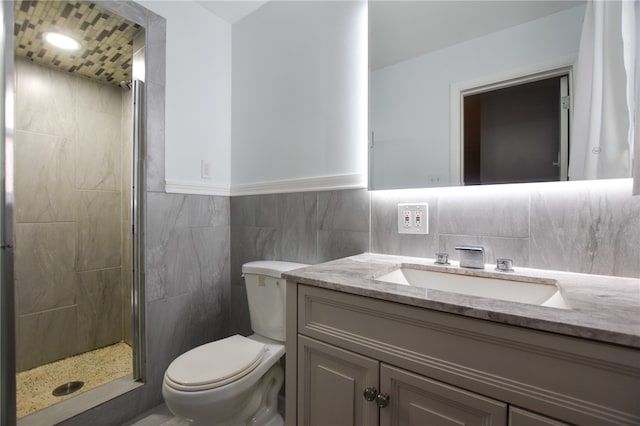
75	197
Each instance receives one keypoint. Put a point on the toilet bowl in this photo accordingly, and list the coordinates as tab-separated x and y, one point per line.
235	381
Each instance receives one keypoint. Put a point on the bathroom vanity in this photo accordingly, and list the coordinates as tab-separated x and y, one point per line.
361	351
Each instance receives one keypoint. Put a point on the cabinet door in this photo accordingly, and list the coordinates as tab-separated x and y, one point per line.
520	417
417	401
331	382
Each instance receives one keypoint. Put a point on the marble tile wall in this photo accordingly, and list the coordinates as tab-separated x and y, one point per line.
588	227
68	208
187	276
307	227
171	326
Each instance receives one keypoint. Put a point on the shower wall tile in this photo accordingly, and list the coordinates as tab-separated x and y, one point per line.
92	97
46	193
44	266
99	230
46	336
99	295
99	150
44	100
69	148
591	230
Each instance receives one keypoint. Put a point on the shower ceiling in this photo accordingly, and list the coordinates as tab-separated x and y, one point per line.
106	39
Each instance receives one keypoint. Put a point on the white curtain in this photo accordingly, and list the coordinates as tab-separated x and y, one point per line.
605	92
631	36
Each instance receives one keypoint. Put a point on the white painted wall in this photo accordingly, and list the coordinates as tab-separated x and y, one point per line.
198	94
299	104
410	101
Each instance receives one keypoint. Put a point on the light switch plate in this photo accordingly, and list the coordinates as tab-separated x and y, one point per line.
413	218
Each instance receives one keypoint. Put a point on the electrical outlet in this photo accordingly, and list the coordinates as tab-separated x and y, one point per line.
413	218
204	169
436	179
406	219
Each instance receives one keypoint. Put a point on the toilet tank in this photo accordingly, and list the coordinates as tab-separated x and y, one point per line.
266	291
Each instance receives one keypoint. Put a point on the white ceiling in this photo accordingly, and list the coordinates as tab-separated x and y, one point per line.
403	29
231	10
399	30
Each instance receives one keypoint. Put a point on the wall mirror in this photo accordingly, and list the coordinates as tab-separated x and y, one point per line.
456	88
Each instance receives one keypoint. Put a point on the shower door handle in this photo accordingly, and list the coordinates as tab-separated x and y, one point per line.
6	246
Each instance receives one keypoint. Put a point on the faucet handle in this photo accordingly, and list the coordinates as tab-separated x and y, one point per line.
504	265
442	259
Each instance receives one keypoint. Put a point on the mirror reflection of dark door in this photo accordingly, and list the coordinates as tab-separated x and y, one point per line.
517	133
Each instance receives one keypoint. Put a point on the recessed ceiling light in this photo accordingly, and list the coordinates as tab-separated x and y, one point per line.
62	41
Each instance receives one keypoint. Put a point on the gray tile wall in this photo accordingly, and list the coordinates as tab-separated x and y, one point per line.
309	227
68	210
187	276
187	284
187	249
590	228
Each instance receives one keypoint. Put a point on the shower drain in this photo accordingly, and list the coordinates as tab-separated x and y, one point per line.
67	388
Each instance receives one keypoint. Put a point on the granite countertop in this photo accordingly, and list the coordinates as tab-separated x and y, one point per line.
601	308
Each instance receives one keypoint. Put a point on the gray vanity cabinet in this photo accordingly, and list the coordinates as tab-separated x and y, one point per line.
520	417
332	381
330	384
415	400
443	369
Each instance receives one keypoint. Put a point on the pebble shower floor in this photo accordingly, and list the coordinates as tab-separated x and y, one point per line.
95	368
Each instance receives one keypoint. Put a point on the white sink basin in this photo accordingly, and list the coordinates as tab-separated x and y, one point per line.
500	287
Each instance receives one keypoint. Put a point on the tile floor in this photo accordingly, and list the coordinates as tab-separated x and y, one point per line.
157	416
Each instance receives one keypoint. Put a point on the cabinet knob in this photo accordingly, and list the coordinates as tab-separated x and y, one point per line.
382	400
370	393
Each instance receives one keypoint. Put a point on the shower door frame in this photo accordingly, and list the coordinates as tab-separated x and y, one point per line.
139	15
7	310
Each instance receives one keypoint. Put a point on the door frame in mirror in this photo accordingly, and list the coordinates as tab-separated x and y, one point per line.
555	68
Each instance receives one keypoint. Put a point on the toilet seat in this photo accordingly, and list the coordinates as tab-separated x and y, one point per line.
215	364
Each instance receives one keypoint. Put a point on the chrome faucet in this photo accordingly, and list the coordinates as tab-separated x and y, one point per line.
471	256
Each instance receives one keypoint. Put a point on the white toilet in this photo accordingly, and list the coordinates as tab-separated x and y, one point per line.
235	381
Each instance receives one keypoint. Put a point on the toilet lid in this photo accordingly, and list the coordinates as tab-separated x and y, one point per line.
215	364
